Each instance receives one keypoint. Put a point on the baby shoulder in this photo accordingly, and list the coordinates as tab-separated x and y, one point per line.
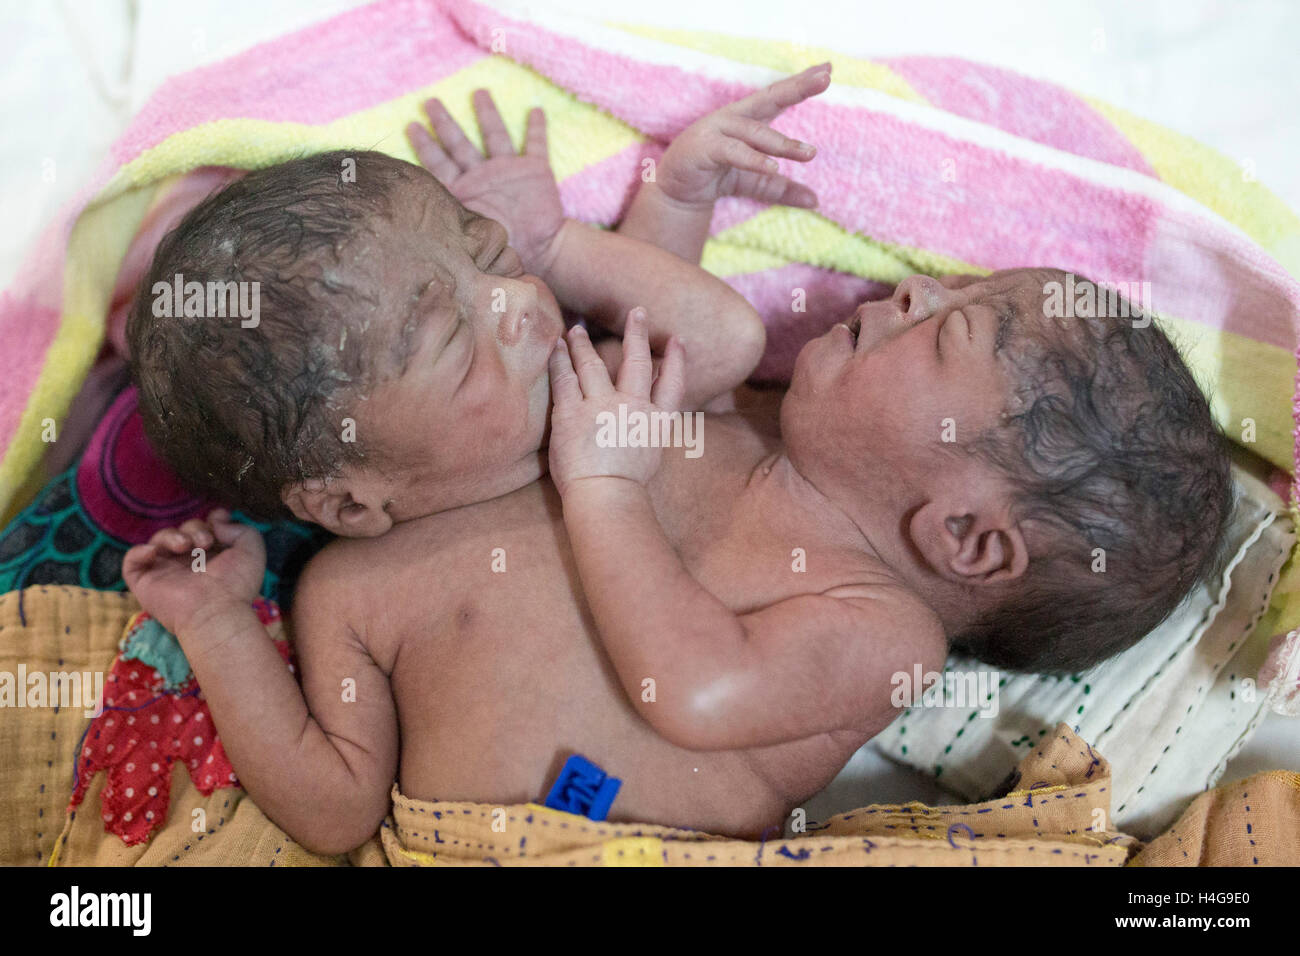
323	596
894	617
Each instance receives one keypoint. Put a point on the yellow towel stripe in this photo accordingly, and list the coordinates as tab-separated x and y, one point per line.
1239	397
252	144
779	235
1223	184
96	246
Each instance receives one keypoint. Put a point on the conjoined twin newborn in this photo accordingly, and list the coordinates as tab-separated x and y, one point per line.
715	628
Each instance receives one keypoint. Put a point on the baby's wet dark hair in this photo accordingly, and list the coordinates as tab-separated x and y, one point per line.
1116	464
240	413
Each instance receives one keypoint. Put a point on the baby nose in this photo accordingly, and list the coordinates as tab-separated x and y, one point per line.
919	297
518	317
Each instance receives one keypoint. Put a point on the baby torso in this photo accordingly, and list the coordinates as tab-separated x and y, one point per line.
496	667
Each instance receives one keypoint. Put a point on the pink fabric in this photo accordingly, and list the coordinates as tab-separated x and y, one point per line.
124	486
883	177
601	192
26	328
1040	111
353	61
1279	675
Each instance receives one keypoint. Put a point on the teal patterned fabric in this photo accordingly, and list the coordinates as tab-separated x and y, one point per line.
55	541
119	494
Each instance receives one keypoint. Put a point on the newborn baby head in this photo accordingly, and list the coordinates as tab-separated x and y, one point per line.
1054	487
397	365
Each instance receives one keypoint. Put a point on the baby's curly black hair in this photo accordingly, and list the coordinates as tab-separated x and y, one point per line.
1114	457
240	413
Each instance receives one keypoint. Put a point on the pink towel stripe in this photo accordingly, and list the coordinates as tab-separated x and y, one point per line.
27	328
600	192
352	62
616	83
1042	112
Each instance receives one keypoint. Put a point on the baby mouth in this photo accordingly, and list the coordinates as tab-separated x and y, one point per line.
854	326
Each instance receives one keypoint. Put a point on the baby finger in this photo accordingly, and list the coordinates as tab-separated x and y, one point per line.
775	189
589	366
769	103
737	153
430	154
171	540
564	381
199	531
767	140
137	560
453	137
670	387
636	370
496	141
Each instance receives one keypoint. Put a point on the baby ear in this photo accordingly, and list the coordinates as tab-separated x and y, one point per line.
338	508
976	545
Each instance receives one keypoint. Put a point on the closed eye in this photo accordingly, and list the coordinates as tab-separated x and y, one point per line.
464	331
965	320
1005	316
943	324
507	263
489	244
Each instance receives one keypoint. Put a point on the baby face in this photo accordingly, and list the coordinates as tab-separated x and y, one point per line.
887	391
471	333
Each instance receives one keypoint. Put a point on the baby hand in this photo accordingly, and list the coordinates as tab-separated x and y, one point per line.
585	439
516	189
179	586
728	152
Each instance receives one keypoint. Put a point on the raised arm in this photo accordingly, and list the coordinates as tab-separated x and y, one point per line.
322	774
726	153
603	275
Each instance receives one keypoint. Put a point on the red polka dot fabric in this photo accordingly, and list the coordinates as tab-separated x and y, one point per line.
143	730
